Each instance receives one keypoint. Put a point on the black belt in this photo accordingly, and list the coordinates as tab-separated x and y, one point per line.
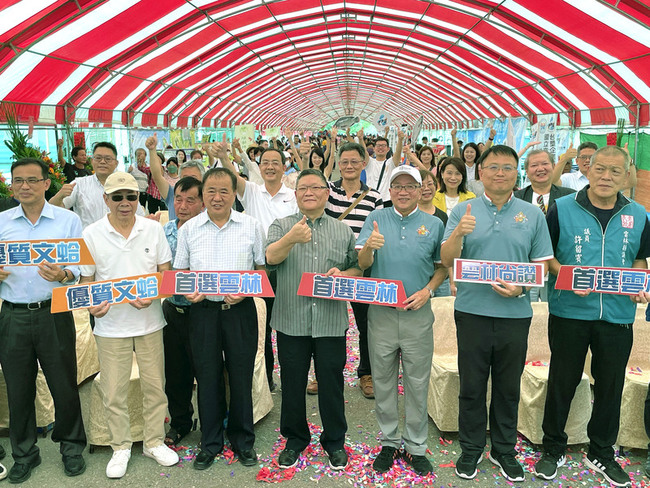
30	306
179	308
223	305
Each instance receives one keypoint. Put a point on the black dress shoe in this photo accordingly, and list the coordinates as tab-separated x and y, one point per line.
288	459
203	460
20	472
74	465
338	459
2	453
248	457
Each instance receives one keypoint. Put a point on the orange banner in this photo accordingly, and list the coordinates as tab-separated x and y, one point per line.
49	251
120	290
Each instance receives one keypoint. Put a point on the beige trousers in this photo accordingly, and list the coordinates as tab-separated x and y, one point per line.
115	361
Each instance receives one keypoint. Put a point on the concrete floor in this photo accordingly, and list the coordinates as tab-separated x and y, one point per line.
313	469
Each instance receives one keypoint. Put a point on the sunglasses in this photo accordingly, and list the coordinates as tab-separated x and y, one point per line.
119	198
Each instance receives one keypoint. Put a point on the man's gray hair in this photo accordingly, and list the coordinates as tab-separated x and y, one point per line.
613	151
535	152
192	163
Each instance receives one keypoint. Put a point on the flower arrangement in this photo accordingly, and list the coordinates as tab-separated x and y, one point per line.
20	148
5	189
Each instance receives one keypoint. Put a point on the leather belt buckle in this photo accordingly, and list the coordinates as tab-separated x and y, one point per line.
225	306
180	310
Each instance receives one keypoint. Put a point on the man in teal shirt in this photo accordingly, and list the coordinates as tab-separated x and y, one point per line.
402	243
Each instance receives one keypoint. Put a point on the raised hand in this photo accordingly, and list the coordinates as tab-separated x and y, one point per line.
376	239
570	153
300	233
152	142
454	132
467	222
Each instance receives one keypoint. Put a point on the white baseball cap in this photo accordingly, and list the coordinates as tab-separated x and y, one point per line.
120	181
405	169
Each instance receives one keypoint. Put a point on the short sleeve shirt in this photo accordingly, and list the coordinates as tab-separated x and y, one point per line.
259	203
516	233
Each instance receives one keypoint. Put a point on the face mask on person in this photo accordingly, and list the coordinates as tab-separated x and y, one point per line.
172	170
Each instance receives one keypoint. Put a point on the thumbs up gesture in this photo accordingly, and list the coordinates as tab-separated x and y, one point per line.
376	240
571	153
152	142
467	222
300	232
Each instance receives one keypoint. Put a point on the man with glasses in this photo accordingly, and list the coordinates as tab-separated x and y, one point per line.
379	167
122	245
31	333
577	180
402	243
492	320
311	241
86	194
597	226
351	201
268	202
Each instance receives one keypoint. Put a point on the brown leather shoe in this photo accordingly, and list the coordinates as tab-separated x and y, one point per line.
312	388
365	383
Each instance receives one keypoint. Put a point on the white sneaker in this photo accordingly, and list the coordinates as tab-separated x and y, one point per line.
116	467
162	454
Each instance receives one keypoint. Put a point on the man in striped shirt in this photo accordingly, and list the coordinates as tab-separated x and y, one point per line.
311	241
350	193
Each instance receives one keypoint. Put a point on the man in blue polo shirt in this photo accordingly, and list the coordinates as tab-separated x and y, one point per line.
402	243
492	321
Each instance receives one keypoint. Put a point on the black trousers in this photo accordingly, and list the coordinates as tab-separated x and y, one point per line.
224	338
361	318
294	355
268	344
179	370
610	346
153	204
496	346
25	337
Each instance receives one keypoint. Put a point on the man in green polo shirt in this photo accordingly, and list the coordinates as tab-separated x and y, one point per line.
492	320
402	243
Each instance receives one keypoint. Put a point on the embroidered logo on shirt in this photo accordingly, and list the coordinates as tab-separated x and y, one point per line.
146	250
423	231
627	221
521	217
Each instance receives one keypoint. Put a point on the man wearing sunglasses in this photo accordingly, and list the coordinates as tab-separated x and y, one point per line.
85	195
122	245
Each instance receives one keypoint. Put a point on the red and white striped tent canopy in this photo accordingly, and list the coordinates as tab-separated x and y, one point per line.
304	63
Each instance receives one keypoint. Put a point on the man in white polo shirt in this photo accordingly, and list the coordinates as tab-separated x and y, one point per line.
122	245
268	202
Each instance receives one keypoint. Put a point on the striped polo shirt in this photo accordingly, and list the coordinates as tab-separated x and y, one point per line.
338	202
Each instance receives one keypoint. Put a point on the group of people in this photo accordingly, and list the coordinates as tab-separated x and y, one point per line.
345	228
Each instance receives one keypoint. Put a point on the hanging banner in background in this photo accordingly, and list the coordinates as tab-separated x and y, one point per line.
619	281
272	132
246	135
478	271
182	138
415	133
381	120
363	290
138	137
47	251
79	139
120	290
544	131
250	283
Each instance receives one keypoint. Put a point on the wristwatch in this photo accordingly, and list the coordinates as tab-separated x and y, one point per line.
432	292
66	279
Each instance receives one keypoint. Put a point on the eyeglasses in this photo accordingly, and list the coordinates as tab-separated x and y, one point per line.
18	182
583	157
354	162
108	159
314	189
270	163
408	188
493	168
119	198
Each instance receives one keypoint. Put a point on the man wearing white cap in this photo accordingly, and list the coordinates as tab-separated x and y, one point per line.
402	243
122	245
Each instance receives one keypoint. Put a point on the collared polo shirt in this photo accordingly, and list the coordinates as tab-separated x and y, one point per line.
331	245
338	202
24	284
237	246
118	257
575	180
516	233
411	246
87	198
259	203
